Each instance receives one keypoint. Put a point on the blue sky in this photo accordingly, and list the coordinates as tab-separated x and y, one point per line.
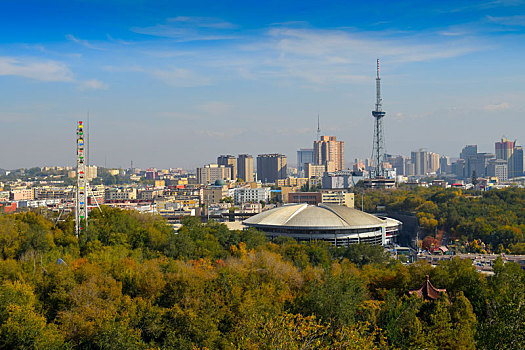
174	84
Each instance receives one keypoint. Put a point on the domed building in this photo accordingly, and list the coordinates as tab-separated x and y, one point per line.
219	182
339	225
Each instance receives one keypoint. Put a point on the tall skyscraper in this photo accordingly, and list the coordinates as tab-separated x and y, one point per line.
479	163
504	149
271	167
420	161
468	150
210	173
228	161
304	155
245	167
517	161
444	164
330	153
433	162
397	163
513	154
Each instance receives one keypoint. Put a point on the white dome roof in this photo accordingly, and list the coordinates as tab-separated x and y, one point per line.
324	216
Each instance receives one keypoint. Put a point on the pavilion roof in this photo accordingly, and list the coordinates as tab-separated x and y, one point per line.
428	291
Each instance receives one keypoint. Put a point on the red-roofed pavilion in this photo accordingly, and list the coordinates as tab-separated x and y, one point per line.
428	291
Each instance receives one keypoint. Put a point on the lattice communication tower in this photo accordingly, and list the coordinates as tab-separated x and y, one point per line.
379	146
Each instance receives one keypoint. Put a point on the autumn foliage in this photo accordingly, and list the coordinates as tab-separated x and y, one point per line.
131	282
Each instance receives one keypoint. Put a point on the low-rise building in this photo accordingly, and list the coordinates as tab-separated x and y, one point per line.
21	195
149	194
291	182
53	193
118	194
251	195
312	171
313	198
338	197
213	194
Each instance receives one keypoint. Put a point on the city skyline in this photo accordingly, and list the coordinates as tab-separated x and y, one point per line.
176	85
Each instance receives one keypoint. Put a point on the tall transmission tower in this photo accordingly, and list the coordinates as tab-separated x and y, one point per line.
379	146
81	210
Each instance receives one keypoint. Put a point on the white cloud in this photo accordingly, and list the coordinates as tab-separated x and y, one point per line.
203	22
518	20
497	106
179	77
34	69
82	42
349	47
322	57
185	28
93	84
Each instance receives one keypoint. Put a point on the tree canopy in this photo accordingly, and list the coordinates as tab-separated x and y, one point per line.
131	282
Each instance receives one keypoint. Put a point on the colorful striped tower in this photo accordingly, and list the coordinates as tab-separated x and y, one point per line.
81	211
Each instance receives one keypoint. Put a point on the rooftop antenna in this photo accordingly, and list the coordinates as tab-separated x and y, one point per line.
378	145
318	129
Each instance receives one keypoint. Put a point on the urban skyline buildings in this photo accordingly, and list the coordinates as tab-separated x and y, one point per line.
271	167
229	161
330	153
52	77
513	154
304	155
245	167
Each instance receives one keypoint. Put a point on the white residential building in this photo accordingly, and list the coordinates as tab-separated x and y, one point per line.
251	195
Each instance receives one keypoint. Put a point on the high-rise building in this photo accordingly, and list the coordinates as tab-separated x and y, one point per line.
420	161
397	162
304	155
245	167
517	162
271	167
479	163
513	154
330	153
213	172
410	169
460	168
504	149
444	165
498	168
433	162
228	161
358	166
468	150
91	172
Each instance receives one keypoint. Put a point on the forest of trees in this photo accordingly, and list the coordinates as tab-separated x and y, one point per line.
482	222
130	282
